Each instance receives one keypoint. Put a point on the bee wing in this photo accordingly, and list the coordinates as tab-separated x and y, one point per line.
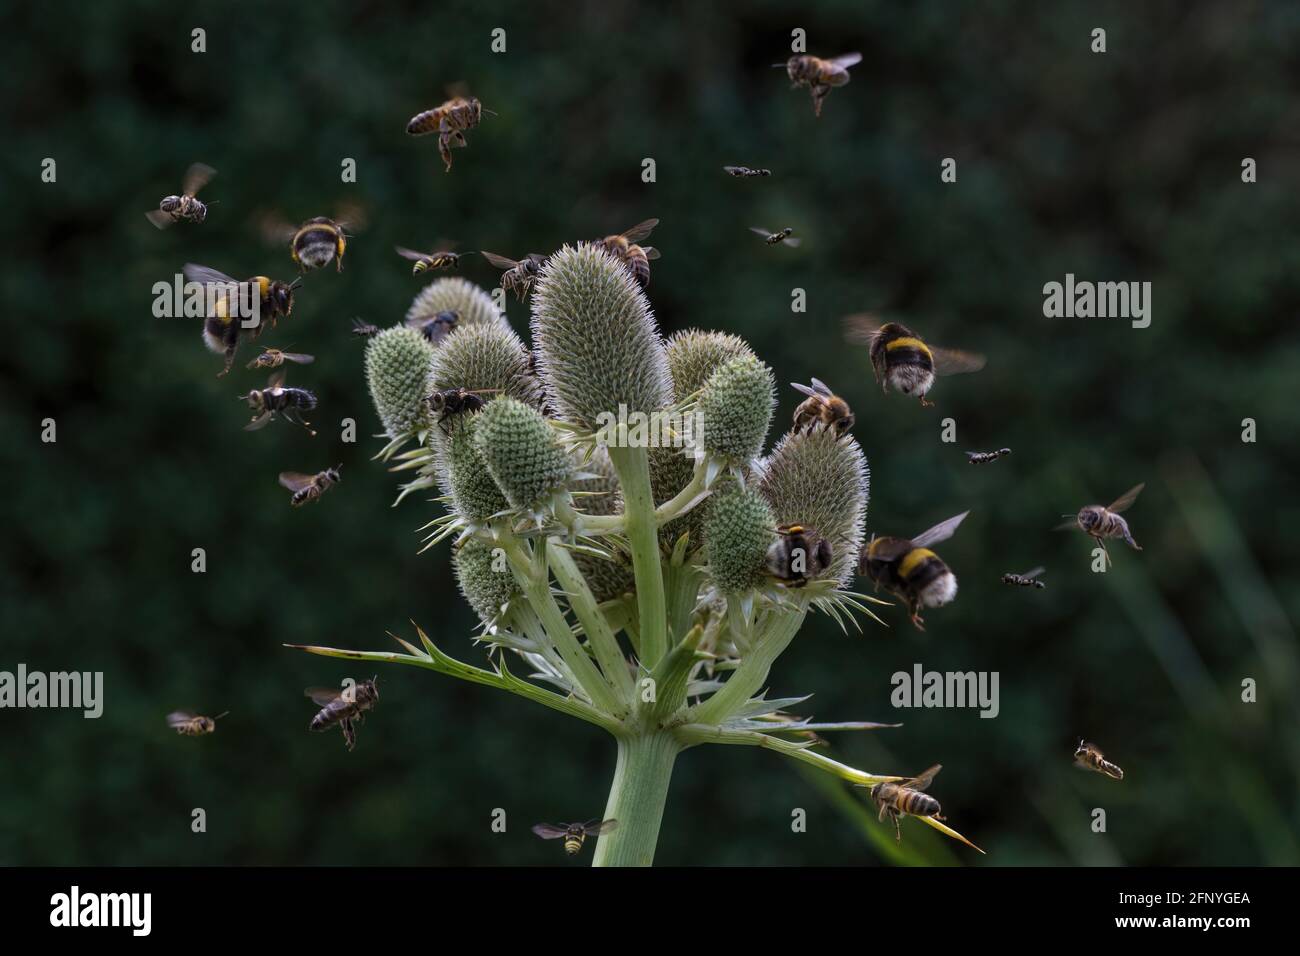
1069	525
276	380
892	550
650	252
804	388
436	332
821	388
537	257
549	831
295	480
736	169
196	177
501	262
922	781
258	423
202	274
410	253
847	60
599	827
953	362
275	229
641	230
1126	500
1030	575
159	218
322	696
792	241
302	358
940	532
761	231
179	717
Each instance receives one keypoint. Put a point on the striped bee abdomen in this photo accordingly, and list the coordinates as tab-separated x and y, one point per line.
918	804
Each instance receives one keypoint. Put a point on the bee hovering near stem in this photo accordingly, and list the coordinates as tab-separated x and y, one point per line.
345	707
902	361
449	121
438	327
797	555
453	401
239	309
984	457
907	798
274	358
1090	757
574	834
518	276
624	248
279	399
744	172
307	488
1102	523
909	569
364	330
1026	580
785	236
193	725
820	76
429	261
184	207
822	406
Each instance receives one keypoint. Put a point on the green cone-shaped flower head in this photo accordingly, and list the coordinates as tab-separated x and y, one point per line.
474	493
694	355
821	481
522	453
735	409
487	358
597	343
473	306
397	368
484	579
738	531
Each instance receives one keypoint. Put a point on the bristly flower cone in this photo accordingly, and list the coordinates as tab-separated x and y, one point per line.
474	494
452	293
738	530
484	358
485	588
736	407
397	367
522	453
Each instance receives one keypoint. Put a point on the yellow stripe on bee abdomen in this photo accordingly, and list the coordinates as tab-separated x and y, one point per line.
912	559
907	342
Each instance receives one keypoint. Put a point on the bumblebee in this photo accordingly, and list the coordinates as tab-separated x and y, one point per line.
278	399
797	555
822	406
1102	523
184	207
308	488
786	236
907	798
274	358
429	261
453	401
909	569
345	708
902	361
744	172
193	725
624	248
820	76
438	327
364	330
518	276
574	834
317	243
984	457
449	121
1090	757
1026	580
226	324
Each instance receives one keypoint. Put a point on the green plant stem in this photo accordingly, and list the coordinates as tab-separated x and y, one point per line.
681	503
633	467
599	635
637	798
749	677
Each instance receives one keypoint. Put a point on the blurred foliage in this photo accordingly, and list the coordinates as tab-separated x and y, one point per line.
1122	166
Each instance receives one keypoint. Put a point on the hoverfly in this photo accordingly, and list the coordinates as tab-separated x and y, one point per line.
785	236
1027	580
429	261
193	725
175	209
574	834
274	358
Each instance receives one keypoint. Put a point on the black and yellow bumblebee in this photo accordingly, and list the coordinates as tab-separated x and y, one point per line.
229	320
317	243
906	798
908	568
902	361
797	555
574	834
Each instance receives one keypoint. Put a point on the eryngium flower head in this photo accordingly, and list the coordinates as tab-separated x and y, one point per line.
474	494
821	481
694	355
397	368
596	339
454	294
735	409
489	358
522	453
486	588
738	530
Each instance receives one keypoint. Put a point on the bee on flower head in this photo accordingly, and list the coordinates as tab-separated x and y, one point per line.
436	328
822	406
902	361
185	207
520	275
798	555
819	75
450	402
908	568
624	248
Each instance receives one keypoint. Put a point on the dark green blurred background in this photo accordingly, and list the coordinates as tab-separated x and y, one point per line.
1122	166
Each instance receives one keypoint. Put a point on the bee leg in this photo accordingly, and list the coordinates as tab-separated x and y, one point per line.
230	360
925	404
898	830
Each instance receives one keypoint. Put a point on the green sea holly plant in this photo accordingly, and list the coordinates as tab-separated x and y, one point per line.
613	520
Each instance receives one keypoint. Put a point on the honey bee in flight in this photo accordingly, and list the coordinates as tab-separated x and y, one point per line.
1102	523
822	406
453	401
797	555
907	798
785	236
193	725
345	707
430	261
225	325
984	457
184	207
574	834
820	76
279	399
274	358
438	327
449	121
744	172
364	330
307	488
518	276
624	248
1026	580
1090	757
908	568
902	361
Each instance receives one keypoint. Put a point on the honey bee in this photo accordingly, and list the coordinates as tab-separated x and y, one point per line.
575	834
786	236
225	326
1026	580
822	406
307	488
744	172
901	360
449	121
909	569
1102	523
906	798
819	75
279	399
1090	757
518	276
174	209
429	261
984	457
274	358
345	707
797	555
624	248
193	725
453	401
364	330
438	327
